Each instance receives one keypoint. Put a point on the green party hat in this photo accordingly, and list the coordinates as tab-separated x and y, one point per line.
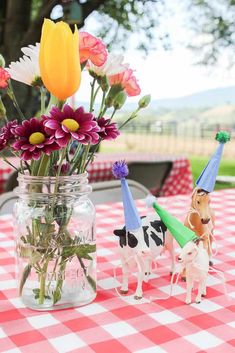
181	233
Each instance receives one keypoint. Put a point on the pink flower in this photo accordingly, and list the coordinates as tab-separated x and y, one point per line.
4	77
3	142
33	140
108	130
7	133
92	48
68	123
128	82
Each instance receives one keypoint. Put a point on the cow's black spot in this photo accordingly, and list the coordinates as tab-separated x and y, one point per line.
146	236
160	227
121	233
132	241
158	241
142	217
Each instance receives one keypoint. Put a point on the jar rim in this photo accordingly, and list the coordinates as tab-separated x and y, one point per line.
42	179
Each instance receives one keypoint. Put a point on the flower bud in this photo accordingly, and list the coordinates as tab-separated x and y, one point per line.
144	101
119	100
104	83
2	61
113	92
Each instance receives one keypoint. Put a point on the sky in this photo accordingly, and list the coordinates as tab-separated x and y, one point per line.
169	74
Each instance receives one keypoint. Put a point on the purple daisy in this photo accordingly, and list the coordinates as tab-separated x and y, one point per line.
108	130
7	133
68	123
33	140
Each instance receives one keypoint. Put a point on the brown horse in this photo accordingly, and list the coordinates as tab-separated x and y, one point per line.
200	218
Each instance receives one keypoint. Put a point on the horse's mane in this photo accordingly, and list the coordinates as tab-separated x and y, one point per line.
199	192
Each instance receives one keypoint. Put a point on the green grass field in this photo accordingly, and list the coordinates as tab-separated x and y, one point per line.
227	167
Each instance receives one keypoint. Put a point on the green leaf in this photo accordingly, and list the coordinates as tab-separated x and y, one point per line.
24	277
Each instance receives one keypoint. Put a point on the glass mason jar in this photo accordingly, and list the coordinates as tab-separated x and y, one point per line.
55	241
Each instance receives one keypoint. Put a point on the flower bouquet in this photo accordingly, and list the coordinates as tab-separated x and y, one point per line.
55	238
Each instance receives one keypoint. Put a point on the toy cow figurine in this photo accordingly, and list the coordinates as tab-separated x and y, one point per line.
140	247
141	240
195	262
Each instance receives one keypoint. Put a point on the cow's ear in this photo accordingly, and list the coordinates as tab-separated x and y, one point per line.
119	232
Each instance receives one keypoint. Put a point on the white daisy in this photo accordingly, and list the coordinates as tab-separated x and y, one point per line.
113	65
26	70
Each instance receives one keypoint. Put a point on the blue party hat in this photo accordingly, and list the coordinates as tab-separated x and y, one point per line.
207	179
132	218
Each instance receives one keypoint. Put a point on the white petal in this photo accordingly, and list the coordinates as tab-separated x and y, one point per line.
112	66
27	68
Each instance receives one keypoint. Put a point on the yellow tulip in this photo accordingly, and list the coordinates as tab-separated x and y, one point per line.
59	59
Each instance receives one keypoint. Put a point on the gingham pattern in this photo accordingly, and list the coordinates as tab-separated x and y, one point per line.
110	324
5	171
179	181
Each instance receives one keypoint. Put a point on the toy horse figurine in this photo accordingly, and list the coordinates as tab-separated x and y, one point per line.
201	219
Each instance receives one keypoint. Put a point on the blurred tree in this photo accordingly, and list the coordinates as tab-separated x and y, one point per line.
213	23
21	21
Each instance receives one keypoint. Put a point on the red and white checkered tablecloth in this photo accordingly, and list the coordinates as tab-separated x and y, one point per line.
179	181
5	171
113	324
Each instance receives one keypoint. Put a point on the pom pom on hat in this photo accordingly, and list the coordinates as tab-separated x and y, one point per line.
207	179
132	218
222	137
150	199
120	169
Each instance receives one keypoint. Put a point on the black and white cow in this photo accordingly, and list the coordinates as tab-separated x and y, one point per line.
140	247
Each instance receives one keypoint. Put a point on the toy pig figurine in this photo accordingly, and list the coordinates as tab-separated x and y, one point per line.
195	261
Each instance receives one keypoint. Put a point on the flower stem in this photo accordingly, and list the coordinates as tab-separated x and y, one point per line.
6	160
43	99
92	95
132	116
85	155
11	94
102	105
92	154
53	101
43	166
43	283
113	113
75	160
